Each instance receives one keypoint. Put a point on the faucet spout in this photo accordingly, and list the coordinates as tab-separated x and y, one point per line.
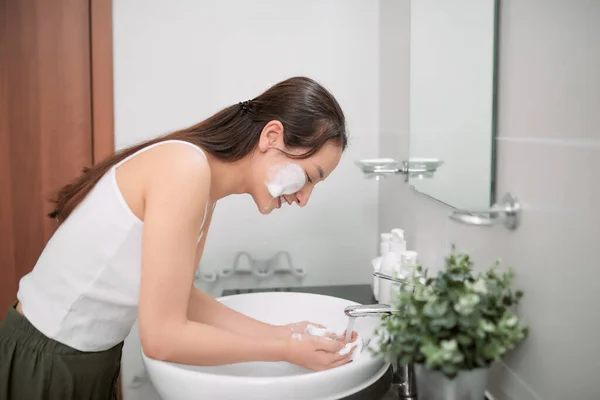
388	278
369	310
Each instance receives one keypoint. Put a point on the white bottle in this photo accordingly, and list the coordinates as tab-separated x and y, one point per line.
397	242
384	248
376	262
397	247
388	264
405	268
408	261
384	245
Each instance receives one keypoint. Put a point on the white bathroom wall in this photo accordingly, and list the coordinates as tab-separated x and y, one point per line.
177	62
548	152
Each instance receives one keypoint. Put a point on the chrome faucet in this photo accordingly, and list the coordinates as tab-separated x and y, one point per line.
369	310
388	278
404	380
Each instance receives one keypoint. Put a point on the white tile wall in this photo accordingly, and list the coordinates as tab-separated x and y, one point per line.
548	155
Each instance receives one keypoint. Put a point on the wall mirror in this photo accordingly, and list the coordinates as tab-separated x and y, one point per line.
452	98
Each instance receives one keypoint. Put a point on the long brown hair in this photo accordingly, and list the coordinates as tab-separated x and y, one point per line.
310	115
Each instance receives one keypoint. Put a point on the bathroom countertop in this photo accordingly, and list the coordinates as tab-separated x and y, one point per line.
362	294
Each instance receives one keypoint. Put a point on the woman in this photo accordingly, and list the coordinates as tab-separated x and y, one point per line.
132	232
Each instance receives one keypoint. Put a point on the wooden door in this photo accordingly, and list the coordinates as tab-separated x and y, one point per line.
55	117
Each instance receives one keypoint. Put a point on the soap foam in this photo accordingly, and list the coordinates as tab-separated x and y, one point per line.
348	347
328	333
285	179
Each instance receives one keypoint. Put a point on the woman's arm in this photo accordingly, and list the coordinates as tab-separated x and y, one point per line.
203	308
175	192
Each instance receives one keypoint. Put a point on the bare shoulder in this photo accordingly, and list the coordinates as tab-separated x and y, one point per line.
173	171
177	169
177	160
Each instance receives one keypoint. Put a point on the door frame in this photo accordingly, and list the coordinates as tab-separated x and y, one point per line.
101	42
102	91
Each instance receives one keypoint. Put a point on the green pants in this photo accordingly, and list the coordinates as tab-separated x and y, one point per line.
34	367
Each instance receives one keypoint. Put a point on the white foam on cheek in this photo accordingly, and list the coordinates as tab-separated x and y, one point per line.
285	179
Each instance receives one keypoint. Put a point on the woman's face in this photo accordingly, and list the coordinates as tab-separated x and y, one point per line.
280	179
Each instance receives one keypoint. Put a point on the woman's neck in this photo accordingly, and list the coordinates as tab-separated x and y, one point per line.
228	178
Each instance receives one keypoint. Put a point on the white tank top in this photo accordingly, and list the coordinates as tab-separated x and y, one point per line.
84	288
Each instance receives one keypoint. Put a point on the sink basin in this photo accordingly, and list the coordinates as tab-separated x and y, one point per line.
270	380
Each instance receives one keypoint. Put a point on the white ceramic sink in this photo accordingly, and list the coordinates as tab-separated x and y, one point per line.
263	380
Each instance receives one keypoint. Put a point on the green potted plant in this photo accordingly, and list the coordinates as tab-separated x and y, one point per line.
452	327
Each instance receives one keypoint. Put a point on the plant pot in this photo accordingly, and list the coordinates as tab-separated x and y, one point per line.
467	385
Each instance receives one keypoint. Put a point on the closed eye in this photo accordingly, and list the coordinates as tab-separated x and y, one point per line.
308	178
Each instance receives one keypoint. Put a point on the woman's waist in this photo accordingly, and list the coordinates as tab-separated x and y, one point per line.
18	328
86	325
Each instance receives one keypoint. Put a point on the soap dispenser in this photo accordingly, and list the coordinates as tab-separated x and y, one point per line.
397	242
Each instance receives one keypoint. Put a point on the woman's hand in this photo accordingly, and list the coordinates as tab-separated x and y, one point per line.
353	337
286	331
300	327
315	353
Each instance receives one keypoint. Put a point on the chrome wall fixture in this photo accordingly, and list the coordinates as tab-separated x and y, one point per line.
420	168
507	212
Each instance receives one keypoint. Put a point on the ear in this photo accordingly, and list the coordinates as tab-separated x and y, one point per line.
271	136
